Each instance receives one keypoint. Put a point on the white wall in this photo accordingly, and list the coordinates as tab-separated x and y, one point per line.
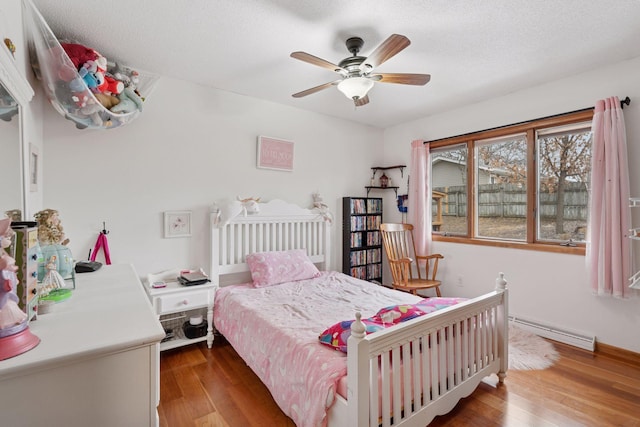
193	146
543	286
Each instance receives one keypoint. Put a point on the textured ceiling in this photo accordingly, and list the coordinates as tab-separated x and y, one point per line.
473	49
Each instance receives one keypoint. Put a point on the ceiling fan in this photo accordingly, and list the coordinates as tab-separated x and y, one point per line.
355	71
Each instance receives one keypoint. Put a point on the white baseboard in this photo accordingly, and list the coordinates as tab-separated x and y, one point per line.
557	334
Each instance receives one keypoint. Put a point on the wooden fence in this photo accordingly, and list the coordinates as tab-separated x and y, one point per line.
510	201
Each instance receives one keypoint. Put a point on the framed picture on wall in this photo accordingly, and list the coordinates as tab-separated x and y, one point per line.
275	154
177	224
34	160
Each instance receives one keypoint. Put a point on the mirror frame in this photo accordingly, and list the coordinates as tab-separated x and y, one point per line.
19	88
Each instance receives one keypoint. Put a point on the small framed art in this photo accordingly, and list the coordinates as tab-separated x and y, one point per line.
275	154
177	224
34	159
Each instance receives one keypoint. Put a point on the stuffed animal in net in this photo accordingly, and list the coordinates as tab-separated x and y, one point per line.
91	68
130	101
107	101
92	110
111	86
79	54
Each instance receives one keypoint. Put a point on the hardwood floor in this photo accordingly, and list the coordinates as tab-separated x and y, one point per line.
213	387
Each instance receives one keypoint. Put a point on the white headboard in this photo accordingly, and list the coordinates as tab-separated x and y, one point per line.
278	226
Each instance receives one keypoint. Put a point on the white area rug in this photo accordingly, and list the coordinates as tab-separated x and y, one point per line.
528	351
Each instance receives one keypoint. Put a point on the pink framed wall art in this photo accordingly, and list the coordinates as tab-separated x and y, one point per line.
275	154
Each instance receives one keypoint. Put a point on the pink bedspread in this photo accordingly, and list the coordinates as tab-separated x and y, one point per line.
275	330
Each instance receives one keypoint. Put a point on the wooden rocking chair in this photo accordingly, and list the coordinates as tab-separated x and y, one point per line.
401	253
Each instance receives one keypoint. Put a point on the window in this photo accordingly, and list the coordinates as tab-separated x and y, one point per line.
501	206
449	190
564	168
524	185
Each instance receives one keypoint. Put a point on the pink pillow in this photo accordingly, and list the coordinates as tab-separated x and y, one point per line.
336	336
272	268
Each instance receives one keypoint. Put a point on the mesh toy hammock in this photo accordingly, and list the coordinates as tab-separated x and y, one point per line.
65	87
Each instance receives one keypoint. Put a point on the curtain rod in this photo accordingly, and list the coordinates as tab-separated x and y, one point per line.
623	102
626	101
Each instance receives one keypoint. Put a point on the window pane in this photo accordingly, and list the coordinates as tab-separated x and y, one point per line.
449	190
501	188
564	166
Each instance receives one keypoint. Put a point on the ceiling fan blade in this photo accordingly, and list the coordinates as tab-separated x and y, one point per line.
306	57
402	78
390	47
315	89
361	101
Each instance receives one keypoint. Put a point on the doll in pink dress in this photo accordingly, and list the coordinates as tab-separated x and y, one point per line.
10	312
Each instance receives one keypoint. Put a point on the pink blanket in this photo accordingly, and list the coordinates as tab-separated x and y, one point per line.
275	330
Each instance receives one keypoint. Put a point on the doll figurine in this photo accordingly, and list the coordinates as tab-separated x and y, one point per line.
52	279
10	312
322	207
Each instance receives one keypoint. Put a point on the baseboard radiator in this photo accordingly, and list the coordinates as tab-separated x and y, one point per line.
556	334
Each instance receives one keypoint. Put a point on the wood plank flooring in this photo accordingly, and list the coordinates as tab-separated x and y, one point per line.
213	387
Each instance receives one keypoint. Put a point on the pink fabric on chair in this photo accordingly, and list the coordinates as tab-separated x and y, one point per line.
419	211
608	247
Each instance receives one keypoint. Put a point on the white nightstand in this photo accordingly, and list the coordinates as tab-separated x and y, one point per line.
175	303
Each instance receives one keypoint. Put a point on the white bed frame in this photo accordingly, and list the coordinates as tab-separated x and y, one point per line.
458	346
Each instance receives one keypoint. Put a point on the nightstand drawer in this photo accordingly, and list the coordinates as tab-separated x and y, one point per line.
182	301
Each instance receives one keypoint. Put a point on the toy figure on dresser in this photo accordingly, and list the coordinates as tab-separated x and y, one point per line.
15	337
52	279
14	214
10	313
50	231
53	243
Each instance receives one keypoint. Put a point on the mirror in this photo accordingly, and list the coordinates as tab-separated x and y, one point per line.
10	147
15	94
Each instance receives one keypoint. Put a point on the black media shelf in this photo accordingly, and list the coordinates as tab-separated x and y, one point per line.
361	239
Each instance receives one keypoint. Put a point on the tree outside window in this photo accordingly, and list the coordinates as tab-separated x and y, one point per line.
564	159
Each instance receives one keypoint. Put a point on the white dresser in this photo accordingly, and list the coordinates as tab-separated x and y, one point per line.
97	363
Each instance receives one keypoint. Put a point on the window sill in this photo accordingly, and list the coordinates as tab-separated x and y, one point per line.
540	247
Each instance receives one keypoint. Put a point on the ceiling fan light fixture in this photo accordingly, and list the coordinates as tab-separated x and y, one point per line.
356	79
355	87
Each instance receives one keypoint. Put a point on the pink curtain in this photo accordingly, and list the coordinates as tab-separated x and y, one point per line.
608	247
419	210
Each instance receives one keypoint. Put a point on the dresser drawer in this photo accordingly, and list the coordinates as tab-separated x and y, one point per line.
182	301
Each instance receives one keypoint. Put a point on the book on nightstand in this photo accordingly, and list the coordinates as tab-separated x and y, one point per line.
191	278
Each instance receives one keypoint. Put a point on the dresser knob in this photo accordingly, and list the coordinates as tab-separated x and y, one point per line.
34	274
185	301
34	257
